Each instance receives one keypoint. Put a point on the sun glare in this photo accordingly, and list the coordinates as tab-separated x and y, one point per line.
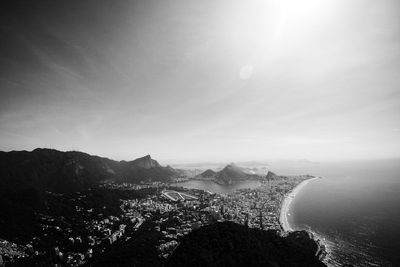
254	26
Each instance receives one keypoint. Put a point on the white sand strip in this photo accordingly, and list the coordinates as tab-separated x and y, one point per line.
283	217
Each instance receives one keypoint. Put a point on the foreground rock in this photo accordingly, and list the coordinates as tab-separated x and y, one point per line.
230	244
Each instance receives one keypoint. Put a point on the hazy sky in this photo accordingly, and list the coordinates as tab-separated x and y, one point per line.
202	80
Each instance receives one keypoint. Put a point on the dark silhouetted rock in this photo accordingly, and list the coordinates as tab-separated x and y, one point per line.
230	244
53	170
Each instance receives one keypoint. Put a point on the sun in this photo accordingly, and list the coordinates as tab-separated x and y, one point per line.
252	27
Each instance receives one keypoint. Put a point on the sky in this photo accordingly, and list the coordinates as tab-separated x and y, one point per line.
187	81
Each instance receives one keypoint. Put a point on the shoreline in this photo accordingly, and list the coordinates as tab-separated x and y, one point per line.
287	201
284	213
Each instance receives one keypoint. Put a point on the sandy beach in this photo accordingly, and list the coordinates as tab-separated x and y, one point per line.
283	218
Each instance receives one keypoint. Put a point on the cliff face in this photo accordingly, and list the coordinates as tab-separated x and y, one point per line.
230	244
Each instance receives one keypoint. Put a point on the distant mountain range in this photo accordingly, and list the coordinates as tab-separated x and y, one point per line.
53	170
230	174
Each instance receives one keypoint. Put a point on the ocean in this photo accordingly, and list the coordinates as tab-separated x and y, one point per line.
355	208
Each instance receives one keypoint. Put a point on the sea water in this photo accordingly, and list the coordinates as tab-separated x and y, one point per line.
355	208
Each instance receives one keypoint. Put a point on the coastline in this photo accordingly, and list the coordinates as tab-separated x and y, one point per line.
283	218
287	201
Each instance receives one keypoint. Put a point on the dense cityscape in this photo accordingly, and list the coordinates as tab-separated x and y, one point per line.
79	227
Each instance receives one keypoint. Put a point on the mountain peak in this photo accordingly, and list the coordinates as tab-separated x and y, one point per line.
208	174
58	171
233	166
231	173
146	162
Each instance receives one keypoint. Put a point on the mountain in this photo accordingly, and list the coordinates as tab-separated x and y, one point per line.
271	176
230	244
53	170
145	162
231	173
207	174
145	169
